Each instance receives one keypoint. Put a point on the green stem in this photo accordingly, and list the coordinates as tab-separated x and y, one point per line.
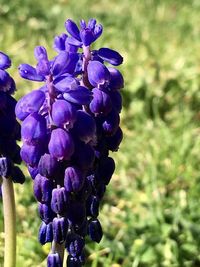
9	222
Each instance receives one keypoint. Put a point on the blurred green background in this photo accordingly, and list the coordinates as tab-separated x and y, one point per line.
151	211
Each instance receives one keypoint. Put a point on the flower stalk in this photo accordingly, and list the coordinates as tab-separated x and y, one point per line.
9	222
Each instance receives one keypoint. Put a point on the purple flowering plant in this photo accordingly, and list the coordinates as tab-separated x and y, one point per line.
9	157
68	127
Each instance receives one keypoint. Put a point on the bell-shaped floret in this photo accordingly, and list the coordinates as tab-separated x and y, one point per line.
46	213
7	83
73	180
64	63
114	141
92	206
116	79
29	103
33	171
31	153
81	95
60	228
101	102
72	29
98	74
5	61
54	260
111	123
42	189
45	234
48	166
74	244
61	144
84	127
59	201
111	56
64	83
106	169
95	230
63	113
28	72
33	129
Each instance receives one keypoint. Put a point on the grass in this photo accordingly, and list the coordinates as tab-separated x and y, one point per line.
151	212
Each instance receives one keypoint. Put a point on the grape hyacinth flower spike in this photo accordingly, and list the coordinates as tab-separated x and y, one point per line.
69	125
9	156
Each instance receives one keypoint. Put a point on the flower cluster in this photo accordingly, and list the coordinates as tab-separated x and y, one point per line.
10	128
68	127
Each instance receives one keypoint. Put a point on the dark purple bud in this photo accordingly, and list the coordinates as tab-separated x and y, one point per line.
98	31
33	129
48	166
28	72
91	24
5	61
8	126
33	171
64	62
116	79
81	96
73	180
74	244
84	155
46	213
59	42
29	103
116	99
63	114
45	234
87	36
111	56
106	169
92	206
7	83
65	83
17	175
72	29
42	189
95	230
61	144
54	260
73	262
31	154
114	141
40	53
60	228
5	167
111	123
101	102
98	74
59	201
85	127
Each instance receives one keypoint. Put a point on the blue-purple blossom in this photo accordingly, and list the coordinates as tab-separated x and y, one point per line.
69	126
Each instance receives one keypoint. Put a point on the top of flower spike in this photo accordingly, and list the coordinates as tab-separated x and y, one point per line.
87	34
